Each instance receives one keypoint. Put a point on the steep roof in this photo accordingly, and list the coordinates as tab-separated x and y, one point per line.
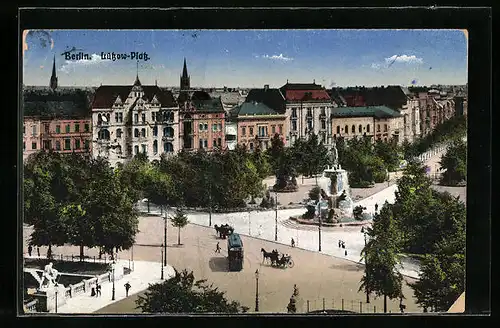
210	105
252	108
367	111
272	98
391	96
301	86
304	95
73	104
106	95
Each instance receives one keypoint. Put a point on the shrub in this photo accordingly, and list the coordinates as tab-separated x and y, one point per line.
314	193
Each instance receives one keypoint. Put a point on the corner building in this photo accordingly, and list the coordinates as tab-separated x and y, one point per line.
128	120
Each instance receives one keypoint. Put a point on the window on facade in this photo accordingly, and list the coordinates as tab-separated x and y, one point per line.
144	149
155	147
219	142
201	143
205	127
324	138
251	146
201	127
87	127
168	147
368	128
46	127
338	129
243	131
136	118
309	112
45	144
294	112
136	150
346	129
360	128
77	144
323	124
155	131
251	131
34	130
273	129
143	118
385	127
108	116
378	127
168	132
353	129
87	144
136	133
33	145
120	116
143	132
103	134
220	126
58	129
214	127
205	143
117	118
58	145
118	133
67	144
24	145
280	128
77	127
294	125
153	116
99	119
24	129
68	128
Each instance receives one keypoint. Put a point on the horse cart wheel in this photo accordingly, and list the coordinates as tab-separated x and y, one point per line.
290	263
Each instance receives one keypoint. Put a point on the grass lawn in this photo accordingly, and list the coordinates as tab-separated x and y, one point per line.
126	305
87	268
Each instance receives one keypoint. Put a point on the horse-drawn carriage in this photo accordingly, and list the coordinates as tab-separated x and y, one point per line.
224	230
277	259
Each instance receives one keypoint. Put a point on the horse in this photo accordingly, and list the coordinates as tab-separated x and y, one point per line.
267	255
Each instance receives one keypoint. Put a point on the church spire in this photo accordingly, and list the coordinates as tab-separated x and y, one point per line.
185	78
53	77
137	81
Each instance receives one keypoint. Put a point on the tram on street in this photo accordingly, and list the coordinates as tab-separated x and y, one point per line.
235	252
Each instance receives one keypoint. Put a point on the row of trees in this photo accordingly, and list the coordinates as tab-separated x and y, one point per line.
454	163
421	221
80	201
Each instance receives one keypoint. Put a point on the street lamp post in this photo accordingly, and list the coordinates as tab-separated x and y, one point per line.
161	262
367	293
319	228
276	217
257	290
210	208
249	230
133	258
164	245
113	290
56	285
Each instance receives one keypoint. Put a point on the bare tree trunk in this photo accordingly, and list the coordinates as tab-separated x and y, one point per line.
49	252
385	303
179	236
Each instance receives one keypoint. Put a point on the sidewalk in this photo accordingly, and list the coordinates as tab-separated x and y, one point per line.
144	273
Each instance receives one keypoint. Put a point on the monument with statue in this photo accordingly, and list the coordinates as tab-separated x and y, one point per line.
49	291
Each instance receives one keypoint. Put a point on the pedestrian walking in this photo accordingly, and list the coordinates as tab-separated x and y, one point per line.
93	292
346	252
376	207
340	243
98	289
30	249
217	248
293	243
38	251
127	287
343	244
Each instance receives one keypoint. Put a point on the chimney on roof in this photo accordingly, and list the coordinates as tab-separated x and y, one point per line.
266	86
314	81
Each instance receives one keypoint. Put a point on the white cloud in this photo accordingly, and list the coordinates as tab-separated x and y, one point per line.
404	59
71	65
279	57
376	66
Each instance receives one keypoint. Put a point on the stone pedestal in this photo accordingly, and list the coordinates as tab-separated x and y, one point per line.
47	298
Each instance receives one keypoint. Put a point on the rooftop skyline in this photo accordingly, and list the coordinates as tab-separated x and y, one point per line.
250	58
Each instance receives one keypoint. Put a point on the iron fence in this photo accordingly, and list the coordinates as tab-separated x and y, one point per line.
341	305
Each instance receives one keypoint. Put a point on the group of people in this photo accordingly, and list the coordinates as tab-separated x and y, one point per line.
96	291
30	250
342	244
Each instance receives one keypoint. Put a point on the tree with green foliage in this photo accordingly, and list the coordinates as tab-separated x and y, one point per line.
182	294
276	152
179	221
315	156
381	258
389	153
454	163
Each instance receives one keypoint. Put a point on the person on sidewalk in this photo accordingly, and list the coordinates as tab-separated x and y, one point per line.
217	248
127	287
346	252
38	251
30	249
376	207
98	289
293	242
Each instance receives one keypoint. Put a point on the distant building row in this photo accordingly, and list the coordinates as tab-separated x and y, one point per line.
127	120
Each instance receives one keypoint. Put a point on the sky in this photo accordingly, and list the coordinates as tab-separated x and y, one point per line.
249	58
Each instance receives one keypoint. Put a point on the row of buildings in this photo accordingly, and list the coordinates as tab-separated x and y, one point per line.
124	120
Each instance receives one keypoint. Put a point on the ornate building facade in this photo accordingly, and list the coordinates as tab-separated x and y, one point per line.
127	120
